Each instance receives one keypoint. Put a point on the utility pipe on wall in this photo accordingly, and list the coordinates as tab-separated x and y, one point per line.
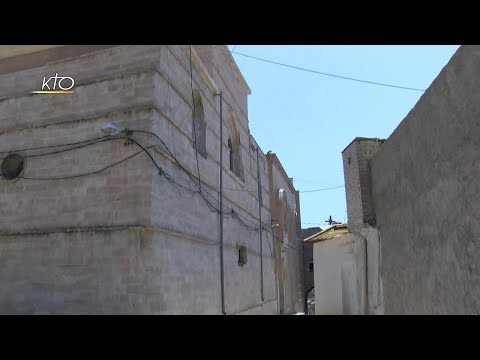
222	280
259	181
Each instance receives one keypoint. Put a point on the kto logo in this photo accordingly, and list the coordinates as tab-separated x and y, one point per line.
56	85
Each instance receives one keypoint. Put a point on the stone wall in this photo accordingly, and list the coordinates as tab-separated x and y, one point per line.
286	242
356	167
308	280
157	240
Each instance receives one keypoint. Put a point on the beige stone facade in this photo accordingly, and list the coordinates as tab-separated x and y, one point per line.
129	239
285	218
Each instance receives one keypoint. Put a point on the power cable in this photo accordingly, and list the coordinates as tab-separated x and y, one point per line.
274	237
160	170
224	61
324	189
53	146
169	153
85	174
243	220
200	190
230	210
324	73
72	148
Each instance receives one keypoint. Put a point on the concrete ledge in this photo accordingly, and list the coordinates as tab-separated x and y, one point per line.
40	58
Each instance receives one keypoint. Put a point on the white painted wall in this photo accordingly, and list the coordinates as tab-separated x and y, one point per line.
374	282
340	276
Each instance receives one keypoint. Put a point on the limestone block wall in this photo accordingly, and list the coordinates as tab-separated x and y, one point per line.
166	257
287	241
356	167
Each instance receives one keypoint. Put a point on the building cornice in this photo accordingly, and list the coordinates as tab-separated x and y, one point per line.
201	68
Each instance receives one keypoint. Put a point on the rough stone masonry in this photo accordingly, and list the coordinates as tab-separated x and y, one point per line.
128	239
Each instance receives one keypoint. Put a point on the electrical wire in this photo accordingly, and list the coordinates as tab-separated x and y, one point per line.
160	170
224	61
108	138
200	190
268	242
324	73
316	190
129	139
229	211
88	173
72	148
53	146
280	241
168	151
243	220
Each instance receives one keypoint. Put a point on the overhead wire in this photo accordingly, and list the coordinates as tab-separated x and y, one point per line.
324	73
84	142
226	59
202	191
52	146
160	170
324	189
241	219
70	149
85	174
230	210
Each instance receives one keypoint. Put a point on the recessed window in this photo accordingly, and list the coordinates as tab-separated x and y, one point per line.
230	152
199	126
310	267
234	148
285	220
12	166
349	161
242	255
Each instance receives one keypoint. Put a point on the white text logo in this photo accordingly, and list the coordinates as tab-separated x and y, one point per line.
56	85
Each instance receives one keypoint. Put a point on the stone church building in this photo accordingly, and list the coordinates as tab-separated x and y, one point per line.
131	185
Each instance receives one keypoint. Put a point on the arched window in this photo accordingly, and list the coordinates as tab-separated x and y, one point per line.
230	152
285	219
236	165
199	126
283	207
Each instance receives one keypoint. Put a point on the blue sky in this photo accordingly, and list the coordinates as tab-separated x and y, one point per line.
308	119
